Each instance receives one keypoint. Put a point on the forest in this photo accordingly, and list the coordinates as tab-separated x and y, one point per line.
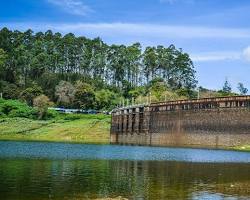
78	72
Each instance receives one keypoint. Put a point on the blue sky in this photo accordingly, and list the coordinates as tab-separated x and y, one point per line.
216	33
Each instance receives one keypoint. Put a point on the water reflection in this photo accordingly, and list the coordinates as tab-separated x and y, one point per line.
90	179
43	150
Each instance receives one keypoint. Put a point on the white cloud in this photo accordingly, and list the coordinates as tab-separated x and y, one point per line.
216	56
150	30
76	7
139	30
246	54
222	56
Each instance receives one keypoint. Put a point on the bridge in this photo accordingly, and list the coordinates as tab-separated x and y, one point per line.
219	122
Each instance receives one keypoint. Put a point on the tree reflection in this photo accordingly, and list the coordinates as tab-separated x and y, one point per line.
90	179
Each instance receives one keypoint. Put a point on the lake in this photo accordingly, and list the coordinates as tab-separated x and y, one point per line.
40	170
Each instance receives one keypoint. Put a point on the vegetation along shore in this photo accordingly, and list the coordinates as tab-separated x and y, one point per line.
18	121
46	69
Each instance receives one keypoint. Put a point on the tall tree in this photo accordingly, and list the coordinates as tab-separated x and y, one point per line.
227	87
150	63
242	89
3	58
55	62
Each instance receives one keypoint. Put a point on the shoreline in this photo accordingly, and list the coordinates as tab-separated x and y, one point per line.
86	130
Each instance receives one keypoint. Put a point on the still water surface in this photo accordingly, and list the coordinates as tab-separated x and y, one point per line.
40	171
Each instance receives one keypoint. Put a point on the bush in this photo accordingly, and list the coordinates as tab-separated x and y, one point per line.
14	108
26	113
51	114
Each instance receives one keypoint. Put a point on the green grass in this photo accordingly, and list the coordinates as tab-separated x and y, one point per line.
66	128
242	148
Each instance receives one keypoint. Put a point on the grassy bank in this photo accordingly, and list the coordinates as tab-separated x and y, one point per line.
242	148
66	128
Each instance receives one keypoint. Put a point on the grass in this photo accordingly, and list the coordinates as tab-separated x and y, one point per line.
242	148
67	128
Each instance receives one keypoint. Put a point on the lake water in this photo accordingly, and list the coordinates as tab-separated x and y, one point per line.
39	171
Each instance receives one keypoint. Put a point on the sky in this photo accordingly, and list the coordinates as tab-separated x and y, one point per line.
215	33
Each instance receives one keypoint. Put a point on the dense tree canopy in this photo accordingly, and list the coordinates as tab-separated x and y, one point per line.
54	64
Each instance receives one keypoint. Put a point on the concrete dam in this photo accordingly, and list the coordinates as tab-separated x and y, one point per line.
221	122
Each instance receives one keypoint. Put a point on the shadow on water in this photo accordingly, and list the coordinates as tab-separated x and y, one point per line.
40	179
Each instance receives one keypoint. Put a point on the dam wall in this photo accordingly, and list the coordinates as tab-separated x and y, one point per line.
209	123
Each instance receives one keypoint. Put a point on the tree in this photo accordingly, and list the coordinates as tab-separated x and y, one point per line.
3	58
65	93
106	99
133	60
30	93
227	87
184	74
158	88
150	63
116	65
242	89
10	90
42	103
49	60
84	96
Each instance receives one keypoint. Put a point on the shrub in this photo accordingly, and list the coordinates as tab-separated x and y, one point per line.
51	114
26	113
14	108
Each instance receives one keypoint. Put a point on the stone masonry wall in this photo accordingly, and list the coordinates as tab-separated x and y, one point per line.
209	128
